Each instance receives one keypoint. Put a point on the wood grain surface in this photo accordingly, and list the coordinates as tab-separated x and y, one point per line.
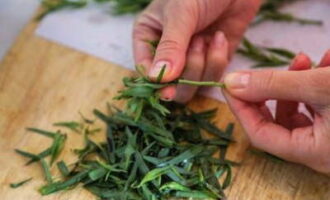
42	82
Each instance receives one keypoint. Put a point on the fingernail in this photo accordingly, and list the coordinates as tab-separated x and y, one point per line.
166	99
325	62
328	52
197	45
219	39
300	62
168	93
295	60
156	69
237	80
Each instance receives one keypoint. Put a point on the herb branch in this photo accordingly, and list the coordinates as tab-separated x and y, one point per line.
265	57
51	6
201	83
270	11
119	6
284	17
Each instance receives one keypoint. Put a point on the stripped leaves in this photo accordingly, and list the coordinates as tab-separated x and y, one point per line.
19	184
153	150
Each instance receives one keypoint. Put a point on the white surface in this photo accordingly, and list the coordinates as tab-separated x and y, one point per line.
92	30
14	14
95	31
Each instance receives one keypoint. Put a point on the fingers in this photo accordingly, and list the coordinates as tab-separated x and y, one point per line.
217	57
235	23
143	33
302	143
287	110
203	66
325	62
268	136
168	93
308	86
193	70
262	133
172	48
301	62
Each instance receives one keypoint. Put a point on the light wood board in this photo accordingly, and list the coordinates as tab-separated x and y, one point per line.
42	82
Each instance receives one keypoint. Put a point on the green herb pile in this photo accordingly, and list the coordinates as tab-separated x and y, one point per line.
153	150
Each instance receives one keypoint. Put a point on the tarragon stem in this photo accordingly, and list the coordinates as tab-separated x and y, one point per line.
202	83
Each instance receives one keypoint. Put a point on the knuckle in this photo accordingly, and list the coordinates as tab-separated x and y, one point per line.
301	139
215	66
319	84
315	153
185	94
141	30
320	163
218	59
182	6
261	129
213	73
321	153
145	25
138	32
193	70
169	45
263	82
325	164
269	81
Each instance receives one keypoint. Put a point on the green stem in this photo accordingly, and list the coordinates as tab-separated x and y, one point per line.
309	21
205	83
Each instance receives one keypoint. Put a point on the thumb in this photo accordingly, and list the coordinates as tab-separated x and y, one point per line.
308	86
172	47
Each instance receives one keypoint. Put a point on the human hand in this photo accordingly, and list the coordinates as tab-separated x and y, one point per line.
192	39
290	135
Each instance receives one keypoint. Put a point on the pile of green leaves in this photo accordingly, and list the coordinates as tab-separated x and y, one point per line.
153	150
265	56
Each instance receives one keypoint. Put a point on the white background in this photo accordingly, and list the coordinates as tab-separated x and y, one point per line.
14	14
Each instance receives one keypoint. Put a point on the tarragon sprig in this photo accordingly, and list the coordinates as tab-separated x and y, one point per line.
141	92
265	56
270	11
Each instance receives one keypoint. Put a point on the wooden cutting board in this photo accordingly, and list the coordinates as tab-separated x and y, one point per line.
42	82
